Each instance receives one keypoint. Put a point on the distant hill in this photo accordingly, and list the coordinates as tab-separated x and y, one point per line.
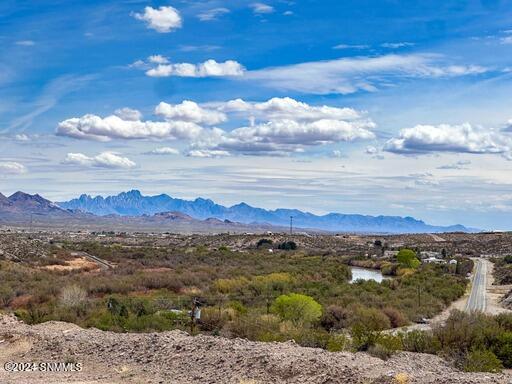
21	204
133	203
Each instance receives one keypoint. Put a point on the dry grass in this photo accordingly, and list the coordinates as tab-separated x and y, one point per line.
78	264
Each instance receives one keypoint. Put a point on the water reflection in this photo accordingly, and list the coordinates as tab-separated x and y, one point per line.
366	274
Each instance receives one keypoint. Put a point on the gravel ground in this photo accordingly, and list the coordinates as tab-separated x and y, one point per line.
176	357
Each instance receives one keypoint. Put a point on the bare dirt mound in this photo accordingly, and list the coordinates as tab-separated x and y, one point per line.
176	357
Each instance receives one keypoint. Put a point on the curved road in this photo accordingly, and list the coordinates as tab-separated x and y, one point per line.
477	300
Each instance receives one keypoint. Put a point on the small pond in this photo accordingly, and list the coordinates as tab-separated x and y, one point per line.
366	274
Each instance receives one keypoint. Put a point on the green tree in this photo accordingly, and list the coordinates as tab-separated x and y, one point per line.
299	309
407	258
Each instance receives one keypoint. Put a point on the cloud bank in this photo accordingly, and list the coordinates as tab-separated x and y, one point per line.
463	138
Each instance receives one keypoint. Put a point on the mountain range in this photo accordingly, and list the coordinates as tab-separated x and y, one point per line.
22	210
133	203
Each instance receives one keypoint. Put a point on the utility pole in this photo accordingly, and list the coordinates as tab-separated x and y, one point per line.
291	225
195	314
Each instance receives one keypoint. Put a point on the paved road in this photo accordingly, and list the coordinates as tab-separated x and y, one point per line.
102	263
477	299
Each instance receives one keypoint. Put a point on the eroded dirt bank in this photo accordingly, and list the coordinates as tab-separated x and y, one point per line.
175	357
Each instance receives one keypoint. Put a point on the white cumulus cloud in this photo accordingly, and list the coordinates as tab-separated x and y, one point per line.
288	108
191	112
463	138
164	151
282	136
128	114
103	160
158	59
260	8
207	153
92	127
209	68
162	20
11	168
276	126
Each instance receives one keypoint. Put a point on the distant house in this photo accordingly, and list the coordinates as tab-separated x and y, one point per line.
390	253
434	260
430	254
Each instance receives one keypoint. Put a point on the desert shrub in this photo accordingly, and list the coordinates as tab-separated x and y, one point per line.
503	348
6	295
73	298
335	317
508	259
261	328
267	243
371	318
116	308
401	378
314	338
396	318
463	332
404	272
299	309
482	361
238	307
340	274
337	343
214	318
390	342
379	351
147	323
34	314
231	285
271	282
388	268
366	328
288	246
420	341
504	320
464	266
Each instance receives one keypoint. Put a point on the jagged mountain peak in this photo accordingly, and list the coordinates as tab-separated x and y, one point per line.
133	203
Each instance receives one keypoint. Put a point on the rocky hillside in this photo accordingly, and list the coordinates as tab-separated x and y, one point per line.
176	357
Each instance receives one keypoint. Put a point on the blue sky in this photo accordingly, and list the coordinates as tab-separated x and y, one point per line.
373	107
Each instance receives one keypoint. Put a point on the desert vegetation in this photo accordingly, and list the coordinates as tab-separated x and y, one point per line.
503	270
253	293
264	291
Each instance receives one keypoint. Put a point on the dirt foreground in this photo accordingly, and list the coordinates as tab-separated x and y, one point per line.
176	357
